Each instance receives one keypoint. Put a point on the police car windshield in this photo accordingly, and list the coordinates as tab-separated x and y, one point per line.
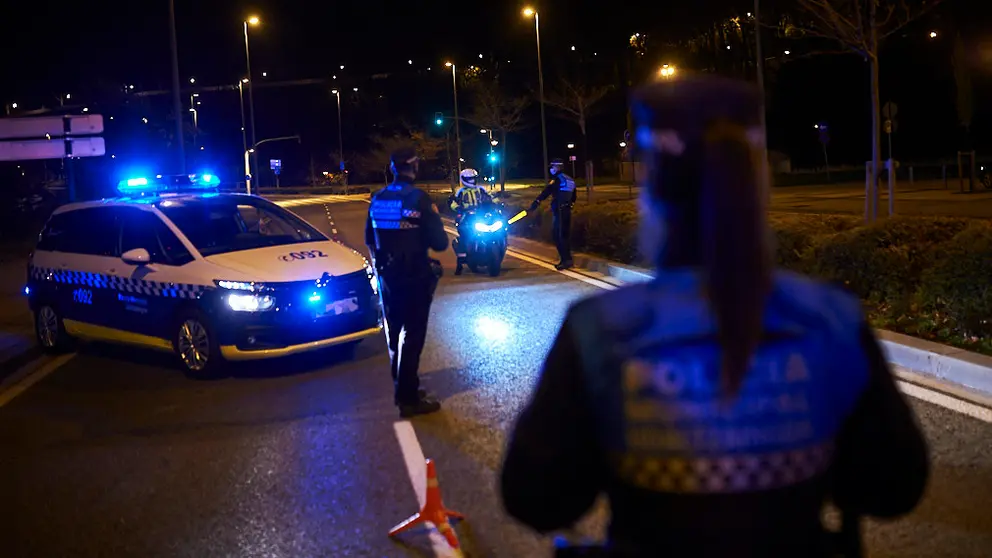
222	224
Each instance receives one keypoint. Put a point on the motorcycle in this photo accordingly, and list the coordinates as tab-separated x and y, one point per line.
482	238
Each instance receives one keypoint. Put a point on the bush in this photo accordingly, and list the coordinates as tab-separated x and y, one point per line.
955	288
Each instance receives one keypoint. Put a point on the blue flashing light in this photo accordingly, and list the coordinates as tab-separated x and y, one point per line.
27	291
493	157
137	182
315	297
141	186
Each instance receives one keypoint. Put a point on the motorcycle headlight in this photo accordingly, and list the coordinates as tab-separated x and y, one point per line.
483	227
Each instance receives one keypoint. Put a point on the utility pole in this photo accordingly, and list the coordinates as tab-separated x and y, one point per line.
177	106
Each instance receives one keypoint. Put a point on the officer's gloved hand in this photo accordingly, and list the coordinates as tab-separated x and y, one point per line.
533	206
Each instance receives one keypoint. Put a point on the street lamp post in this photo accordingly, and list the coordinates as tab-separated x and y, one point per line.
528	12
253	20
458	135
177	105
341	142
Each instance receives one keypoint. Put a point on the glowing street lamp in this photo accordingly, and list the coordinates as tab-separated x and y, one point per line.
530	12
253	21
458	135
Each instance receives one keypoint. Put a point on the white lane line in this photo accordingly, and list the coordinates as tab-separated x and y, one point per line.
31	378
946	401
416	466
512	252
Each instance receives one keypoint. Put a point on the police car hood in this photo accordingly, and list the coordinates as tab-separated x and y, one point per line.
291	262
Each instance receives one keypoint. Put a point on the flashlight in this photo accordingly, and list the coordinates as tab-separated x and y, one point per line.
517	217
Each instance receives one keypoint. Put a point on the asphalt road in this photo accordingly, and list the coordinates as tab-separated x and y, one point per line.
117	454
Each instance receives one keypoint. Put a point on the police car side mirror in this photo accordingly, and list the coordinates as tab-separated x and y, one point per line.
137	256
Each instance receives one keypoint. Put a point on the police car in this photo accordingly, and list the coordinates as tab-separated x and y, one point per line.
177	266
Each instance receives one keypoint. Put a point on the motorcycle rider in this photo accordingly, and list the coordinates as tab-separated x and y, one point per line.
402	226
468	196
562	189
721	404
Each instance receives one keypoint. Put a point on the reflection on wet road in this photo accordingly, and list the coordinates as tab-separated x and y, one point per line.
118	454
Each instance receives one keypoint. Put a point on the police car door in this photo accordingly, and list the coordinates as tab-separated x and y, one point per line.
149	292
81	264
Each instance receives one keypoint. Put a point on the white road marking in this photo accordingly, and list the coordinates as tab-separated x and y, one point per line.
30	378
925	394
983	414
416	466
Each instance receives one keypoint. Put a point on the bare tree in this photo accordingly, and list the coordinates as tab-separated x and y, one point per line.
495	110
860	26
377	158
576	102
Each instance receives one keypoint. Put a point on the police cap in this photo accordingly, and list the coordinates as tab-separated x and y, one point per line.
685	108
403	157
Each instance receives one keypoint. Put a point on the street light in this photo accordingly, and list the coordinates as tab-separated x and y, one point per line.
458	135
253	20
933	34
623	144
337	93
528	12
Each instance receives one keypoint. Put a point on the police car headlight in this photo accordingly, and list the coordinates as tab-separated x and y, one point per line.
373	279
250	302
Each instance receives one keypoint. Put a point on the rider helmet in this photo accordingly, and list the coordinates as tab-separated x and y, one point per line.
469	176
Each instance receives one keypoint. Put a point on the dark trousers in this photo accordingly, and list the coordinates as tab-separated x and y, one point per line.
406	304
561	229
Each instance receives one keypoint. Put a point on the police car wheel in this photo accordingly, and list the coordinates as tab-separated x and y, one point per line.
196	348
50	331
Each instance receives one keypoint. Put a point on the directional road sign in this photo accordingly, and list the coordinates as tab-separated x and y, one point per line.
27	150
51	126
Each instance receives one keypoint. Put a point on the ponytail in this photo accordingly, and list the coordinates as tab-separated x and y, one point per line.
735	245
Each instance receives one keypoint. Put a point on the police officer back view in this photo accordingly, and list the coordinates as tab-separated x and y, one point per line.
720	405
402	226
562	190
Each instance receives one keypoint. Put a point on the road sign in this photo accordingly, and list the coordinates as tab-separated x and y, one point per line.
51	126
572	158
890	110
28	150
342	165
275	164
891	126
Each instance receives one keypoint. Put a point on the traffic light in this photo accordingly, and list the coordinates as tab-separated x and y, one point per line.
438	118
493	157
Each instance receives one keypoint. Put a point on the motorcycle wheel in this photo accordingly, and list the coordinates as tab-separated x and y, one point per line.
495	262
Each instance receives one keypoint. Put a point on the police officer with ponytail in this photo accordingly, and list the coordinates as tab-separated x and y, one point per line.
721	404
402	227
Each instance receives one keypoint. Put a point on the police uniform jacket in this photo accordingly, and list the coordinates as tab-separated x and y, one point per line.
561	188
629	404
401	227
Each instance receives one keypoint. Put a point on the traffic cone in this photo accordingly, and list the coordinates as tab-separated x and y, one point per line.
433	512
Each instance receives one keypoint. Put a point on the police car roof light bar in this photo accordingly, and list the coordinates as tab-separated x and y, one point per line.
141	186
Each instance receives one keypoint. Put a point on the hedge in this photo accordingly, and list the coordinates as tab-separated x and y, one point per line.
925	276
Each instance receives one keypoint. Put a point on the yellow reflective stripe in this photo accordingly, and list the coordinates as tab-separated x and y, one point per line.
101	333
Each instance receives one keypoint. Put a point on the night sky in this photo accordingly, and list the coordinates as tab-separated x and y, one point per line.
89	49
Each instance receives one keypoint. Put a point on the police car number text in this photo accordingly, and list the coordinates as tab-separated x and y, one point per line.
308	255
82	296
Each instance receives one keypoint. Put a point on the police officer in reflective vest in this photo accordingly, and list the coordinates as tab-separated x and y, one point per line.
562	190
402	226
721	404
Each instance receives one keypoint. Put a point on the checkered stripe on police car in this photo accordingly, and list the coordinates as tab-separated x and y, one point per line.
123	284
726	473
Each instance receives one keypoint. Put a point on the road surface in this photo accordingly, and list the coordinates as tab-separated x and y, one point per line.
116	453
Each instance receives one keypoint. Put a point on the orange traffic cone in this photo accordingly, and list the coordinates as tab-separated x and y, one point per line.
433	511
